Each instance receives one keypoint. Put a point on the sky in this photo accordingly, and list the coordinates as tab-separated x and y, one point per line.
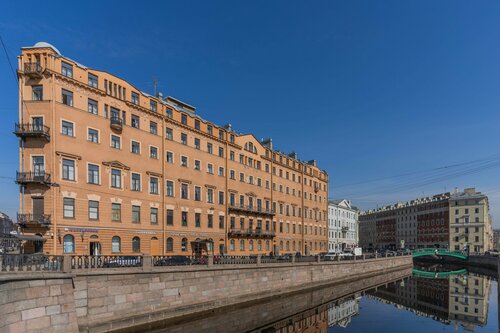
394	99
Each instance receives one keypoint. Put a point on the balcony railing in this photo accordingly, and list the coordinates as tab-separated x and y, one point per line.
252	233
39	177
27	219
32	130
116	123
251	209
33	69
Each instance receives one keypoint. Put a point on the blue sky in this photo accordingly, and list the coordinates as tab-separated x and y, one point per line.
370	89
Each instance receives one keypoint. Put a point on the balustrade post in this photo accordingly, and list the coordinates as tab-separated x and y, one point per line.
355	257
376	255
318	258
293	258
210	260
66	264
147	262
364	257
338	258
259	258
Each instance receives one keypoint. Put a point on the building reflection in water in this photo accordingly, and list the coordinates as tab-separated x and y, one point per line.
460	300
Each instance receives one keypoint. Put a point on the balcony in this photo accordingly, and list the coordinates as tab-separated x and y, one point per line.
345	229
33	70
116	124
252	233
39	177
32	130
33	219
250	210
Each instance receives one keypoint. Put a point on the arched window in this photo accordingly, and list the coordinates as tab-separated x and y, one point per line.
315	245
184	245
281	245
288	245
170	244
69	244
116	246
136	244
250	245
210	245
259	245
242	245
293	246
231	245
267	245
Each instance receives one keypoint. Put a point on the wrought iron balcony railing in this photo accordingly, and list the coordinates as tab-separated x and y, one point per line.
251	232
38	177
26	219
32	130
251	209
116	123
33	69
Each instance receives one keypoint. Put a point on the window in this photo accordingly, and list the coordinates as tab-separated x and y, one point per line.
231	155
232	174
221	198
210	220
221	171
116	178
135	121
197	220
69	244
115	142
136	147
170	157
169	134
197	165
170	217
242	245
242	177
93	210
68	208
231	138
250	245
136	214
67	128
68	169
209	129
210	168
231	245
66	69
37	93
92	106
153	185
197	193
136	182
136	244
221	222
197	124
168	113
67	97
221	135
209	148
170	188
93	135
170	244
221	152
153	152
184	138
116	212
153	127
184	191
135	98
93	174
184	219
152	105
184	161
210	195
197	143
184	245
184	119
93	80
115	244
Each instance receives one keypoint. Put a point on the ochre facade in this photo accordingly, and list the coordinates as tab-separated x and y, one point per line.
107	169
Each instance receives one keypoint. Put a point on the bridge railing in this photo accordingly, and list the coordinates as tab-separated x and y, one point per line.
30	263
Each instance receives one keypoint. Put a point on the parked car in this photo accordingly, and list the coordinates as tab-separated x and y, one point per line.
174	261
285	257
123	261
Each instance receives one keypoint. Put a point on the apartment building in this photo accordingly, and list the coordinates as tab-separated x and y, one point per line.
342	225
108	169
458	221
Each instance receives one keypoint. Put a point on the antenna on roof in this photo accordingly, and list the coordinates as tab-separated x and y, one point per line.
154	87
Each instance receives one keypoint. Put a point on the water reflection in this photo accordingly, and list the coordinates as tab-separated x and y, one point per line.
459	302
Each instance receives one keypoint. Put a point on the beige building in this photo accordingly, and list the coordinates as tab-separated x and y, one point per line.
108	169
470	224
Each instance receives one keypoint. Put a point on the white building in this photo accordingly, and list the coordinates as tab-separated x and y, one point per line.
341	314
343	227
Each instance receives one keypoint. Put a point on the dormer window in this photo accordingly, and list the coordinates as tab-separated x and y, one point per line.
152	105
66	69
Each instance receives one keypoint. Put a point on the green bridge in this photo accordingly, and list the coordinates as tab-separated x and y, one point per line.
439	252
437	275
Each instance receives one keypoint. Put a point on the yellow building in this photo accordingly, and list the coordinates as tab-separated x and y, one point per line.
108	169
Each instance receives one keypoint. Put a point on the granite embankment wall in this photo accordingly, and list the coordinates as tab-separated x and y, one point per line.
112	299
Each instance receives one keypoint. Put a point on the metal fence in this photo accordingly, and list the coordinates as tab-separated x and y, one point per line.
94	262
30	262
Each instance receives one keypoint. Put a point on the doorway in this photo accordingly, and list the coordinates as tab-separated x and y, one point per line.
155	247
95	248
38	245
221	249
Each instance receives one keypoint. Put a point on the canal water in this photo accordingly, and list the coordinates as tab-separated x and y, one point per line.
416	301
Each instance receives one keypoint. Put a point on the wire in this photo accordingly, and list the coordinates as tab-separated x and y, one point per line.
8	60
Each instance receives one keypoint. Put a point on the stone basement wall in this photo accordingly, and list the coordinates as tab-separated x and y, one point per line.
37	302
128	298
